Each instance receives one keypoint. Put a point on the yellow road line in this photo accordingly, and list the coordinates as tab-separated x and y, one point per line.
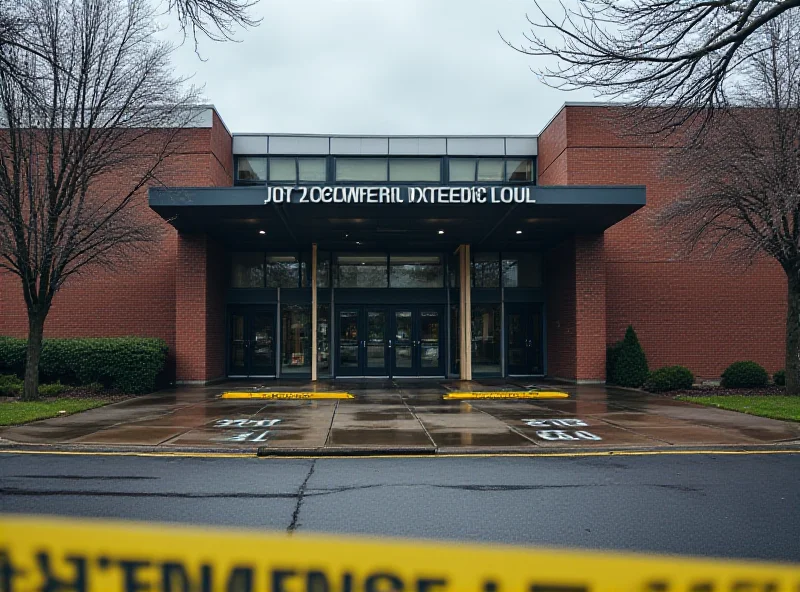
250	455
507	395
285	395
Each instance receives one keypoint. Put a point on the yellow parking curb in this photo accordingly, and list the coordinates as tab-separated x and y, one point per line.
285	395
508	395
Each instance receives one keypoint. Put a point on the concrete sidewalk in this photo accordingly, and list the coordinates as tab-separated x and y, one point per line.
402	416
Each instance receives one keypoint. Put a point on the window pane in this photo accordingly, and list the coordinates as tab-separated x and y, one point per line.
486	270
462	169
455	341
247	270
453	270
361	271
323	269
415	169
522	270
361	169
282	271
311	169
486	339
519	170
251	169
420	271
323	340
490	169
282	169
295	339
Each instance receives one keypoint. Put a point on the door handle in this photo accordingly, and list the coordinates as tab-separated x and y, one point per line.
390	343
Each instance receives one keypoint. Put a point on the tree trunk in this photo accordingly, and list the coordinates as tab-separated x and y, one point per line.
30	391
793	336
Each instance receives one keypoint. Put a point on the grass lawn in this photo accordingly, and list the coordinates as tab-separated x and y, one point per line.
773	406
17	412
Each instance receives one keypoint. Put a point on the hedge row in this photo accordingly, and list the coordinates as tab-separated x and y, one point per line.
131	364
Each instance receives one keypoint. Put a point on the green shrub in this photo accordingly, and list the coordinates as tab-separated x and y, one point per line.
779	378
10	385
669	378
51	390
744	375
131	364
629	367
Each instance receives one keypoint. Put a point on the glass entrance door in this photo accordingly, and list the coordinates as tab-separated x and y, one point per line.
417	348
362	341
251	335
390	341
524	339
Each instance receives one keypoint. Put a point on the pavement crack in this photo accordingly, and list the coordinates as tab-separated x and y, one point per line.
18	491
301	493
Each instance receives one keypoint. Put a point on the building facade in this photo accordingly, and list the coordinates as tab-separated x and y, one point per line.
316	256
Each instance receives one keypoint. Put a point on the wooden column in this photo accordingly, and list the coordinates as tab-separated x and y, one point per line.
314	312
464	313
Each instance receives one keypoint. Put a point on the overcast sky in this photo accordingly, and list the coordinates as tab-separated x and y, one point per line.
377	67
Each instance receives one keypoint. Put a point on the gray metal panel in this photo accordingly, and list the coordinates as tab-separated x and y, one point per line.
359	145
298	145
521	146
249	144
418	146
476	146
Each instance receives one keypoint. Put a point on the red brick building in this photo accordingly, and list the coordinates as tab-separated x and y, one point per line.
333	256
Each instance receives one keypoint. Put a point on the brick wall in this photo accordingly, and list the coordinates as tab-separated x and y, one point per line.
139	298
700	313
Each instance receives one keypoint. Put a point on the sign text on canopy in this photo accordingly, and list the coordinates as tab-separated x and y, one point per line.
398	195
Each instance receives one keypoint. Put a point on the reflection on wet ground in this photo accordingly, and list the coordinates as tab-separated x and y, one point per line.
410	414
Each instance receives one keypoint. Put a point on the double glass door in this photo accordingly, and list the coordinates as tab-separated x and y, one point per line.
251	335
524	335
390	341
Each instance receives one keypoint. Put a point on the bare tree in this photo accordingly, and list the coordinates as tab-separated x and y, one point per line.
86	127
215	19
744	182
674	54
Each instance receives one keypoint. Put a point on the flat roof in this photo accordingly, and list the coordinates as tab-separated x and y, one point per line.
323	145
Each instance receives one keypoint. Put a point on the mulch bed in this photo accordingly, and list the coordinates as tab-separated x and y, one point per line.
708	391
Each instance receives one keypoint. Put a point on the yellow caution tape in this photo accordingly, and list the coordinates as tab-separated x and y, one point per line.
508	395
282	395
98	556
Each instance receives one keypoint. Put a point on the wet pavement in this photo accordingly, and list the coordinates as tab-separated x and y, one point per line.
403	416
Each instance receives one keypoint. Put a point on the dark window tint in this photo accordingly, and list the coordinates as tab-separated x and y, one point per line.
416	271
522	270
282	271
486	339
486	270
247	270
295	339
361	271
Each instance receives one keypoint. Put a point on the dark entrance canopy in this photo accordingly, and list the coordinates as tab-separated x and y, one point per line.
236	215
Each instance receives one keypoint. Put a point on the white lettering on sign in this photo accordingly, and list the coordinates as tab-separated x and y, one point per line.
248	437
398	195
246	423
547	423
564	435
